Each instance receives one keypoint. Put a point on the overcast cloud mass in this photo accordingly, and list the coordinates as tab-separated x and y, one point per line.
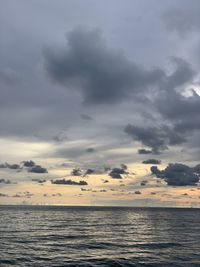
98	83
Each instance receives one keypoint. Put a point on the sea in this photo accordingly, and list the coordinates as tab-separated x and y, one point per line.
99	236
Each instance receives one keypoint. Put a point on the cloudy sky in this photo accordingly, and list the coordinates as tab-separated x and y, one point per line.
94	84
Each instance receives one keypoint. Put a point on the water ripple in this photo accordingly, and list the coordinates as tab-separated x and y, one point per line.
86	236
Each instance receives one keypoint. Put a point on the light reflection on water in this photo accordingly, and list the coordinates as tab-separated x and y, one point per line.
97	236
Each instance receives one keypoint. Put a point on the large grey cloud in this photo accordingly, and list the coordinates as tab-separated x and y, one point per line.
182	111
170	101
178	174
102	74
174	109
157	138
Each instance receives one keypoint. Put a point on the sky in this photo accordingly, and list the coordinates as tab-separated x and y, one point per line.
93	85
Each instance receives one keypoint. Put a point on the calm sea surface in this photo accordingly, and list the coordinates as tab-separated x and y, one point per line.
98	236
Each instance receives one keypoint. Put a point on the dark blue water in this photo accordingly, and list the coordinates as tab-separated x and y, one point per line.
97	236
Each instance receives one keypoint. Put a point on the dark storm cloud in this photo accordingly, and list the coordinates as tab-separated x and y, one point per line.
182	74
177	174
116	173
182	111
38	169
170	101
28	163
68	182
151	137
143	151
94	71
152	161
173	107
102	75
157	138
196	169
157	172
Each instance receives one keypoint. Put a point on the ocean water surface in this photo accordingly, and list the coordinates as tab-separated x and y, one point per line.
98	236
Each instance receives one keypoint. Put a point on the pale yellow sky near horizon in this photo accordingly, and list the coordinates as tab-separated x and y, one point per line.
119	192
